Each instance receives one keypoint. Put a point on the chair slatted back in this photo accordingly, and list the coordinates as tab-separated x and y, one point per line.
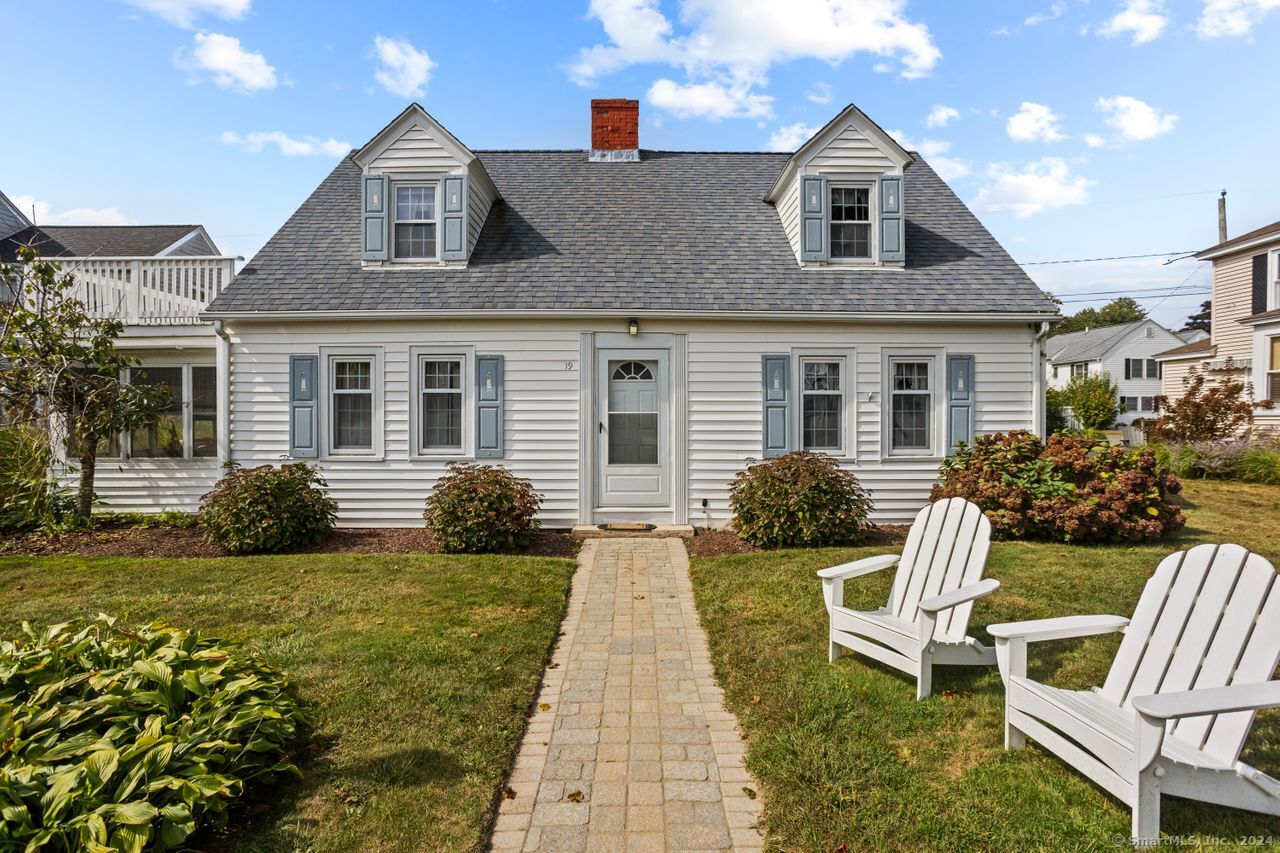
1208	617
946	549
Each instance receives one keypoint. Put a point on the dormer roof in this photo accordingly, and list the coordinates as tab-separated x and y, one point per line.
414	116
848	117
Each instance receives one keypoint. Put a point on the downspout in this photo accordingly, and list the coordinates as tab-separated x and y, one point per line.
1037	358
224	393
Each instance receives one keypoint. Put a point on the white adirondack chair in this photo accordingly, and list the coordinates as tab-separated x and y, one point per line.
927	617
1193	667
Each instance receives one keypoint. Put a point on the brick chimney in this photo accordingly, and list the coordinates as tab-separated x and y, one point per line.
615	130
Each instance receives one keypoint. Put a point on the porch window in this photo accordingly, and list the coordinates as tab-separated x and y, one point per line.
441	413
851	223
351	391
822	410
415	222
911	405
1273	373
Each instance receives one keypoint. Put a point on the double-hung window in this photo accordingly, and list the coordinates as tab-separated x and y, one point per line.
851	223
910	404
351	404
1080	368
440	416
1273	368
414	236
1273	292
822	409
1141	368
187	428
1137	404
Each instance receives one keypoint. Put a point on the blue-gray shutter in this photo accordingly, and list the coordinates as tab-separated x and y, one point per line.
815	210
960	408
1259	301
776	381
453	244
303	432
375	208
489	406
893	235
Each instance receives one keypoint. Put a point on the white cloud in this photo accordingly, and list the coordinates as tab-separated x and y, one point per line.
713	100
1232	17
256	140
1094	140
1055	11
1135	120
820	93
791	136
934	150
44	215
402	69
228	64
1145	19
184	13
941	116
730	45
1040	185
1034	122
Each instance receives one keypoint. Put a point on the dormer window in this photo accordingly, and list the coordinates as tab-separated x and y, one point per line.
415	222
850	223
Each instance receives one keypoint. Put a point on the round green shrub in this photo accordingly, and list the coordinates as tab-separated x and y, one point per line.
801	499
480	509
267	509
1067	489
128	738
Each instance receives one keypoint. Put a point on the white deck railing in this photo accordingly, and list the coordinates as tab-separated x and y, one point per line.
149	291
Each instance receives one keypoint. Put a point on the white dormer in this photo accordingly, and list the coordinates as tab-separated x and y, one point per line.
840	198
424	195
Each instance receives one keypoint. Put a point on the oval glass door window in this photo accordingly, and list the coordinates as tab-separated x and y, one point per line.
633	413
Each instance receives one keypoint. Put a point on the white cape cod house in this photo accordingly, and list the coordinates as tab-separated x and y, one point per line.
624	327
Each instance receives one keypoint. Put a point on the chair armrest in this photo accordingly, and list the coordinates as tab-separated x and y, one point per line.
1059	628
1209	700
859	567
966	593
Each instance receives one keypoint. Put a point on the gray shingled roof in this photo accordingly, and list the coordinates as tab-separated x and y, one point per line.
676	231
104	241
1088	345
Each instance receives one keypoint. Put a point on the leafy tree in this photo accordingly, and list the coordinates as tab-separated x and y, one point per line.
1204	412
1093	398
61	367
1115	312
1201	319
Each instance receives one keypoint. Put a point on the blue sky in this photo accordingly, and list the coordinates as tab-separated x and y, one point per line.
1074	129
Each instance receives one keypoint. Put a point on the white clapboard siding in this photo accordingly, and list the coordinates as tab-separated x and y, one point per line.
481	195
414	151
851	151
789	212
926	621
141	485
1195	665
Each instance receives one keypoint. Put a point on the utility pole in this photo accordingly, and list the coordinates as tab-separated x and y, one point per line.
1222	217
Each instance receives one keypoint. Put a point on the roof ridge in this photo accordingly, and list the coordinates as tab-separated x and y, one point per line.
585	150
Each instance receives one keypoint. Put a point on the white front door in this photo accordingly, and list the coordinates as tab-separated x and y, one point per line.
633	430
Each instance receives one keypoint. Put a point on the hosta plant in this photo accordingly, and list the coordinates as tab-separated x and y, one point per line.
801	499
117	738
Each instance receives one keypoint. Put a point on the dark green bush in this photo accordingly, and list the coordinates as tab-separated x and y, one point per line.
114	738
798	500
479	509
267	509
29	498
1069	489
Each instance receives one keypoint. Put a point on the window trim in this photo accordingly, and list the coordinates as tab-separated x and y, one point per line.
1273	290
330	355
847	356
124	439
937	401
873	213
393	220
417	355
1270	346
1079	364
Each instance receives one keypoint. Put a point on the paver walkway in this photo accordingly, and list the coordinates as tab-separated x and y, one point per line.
630	747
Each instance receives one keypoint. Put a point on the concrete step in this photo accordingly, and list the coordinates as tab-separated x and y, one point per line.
613	531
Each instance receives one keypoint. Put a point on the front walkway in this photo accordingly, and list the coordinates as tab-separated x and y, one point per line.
630	747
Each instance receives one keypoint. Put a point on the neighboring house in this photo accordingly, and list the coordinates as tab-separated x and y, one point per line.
1125	351
1244	341
156	279
626	328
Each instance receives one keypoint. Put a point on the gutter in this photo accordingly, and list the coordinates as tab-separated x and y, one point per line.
624	314
1038	424
223	373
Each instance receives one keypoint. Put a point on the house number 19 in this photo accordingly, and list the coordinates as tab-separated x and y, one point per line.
568	365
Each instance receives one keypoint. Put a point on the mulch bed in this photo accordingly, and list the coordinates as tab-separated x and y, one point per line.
163	541
716	543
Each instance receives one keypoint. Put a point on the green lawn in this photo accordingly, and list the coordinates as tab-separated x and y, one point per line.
846	756
420	668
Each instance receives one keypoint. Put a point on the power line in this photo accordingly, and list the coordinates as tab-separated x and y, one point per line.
1112	258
